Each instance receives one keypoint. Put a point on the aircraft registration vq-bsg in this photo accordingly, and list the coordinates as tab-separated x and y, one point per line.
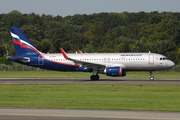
111	64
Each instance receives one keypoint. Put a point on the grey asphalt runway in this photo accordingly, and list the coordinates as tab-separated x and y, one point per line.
73	114
86	81
76	114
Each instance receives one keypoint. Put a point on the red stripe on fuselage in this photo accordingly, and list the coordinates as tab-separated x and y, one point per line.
63	63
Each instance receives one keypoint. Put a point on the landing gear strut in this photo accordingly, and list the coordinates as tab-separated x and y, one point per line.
151	76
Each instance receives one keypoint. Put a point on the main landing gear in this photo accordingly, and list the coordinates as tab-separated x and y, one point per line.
151	76
95	75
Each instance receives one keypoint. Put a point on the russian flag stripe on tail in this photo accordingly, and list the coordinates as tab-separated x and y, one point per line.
21	42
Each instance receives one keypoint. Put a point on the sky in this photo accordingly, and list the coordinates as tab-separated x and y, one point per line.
72	7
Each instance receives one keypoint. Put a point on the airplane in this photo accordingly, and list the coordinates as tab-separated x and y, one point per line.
111	64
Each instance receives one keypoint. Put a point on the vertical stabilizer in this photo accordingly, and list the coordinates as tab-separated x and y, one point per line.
22	44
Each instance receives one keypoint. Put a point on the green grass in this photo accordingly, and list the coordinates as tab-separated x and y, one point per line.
116	97
56	74
42	74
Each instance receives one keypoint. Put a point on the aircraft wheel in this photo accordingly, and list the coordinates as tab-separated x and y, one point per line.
152	78
97	77
94	77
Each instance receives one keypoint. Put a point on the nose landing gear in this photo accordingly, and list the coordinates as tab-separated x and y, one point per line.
151	76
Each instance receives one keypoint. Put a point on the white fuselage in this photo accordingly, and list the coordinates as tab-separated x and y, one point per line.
128	61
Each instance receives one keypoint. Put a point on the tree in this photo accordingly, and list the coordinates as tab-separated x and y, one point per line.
46	46
98	32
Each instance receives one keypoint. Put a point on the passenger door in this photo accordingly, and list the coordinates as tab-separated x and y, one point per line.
151	59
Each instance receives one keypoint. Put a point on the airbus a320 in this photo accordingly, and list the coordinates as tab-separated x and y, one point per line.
111	64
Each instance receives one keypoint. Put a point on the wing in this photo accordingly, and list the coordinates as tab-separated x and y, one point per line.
83	63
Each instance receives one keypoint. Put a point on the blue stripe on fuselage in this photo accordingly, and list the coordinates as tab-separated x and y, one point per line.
46	64
58	66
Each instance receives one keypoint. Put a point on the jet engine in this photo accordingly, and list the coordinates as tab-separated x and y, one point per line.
114	71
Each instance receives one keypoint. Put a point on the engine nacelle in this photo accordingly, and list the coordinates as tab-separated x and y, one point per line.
84	69
114	71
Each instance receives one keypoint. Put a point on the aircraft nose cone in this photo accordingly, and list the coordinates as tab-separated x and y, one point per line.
172	64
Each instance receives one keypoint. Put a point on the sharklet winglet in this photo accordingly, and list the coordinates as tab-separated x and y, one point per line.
63	53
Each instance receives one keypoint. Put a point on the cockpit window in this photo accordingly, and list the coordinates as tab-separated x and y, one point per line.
163	58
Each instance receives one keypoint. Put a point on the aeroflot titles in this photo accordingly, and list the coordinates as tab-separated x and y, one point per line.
131	54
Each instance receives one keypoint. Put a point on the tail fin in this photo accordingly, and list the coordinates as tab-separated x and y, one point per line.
22	44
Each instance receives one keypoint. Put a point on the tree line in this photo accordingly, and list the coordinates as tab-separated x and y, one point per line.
97	32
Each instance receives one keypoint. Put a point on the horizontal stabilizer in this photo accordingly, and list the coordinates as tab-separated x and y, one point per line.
24	59
15	58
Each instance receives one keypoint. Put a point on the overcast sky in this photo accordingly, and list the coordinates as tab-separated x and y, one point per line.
71	7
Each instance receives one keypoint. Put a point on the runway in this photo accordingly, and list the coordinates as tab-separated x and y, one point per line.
76	114
73	114
86	81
